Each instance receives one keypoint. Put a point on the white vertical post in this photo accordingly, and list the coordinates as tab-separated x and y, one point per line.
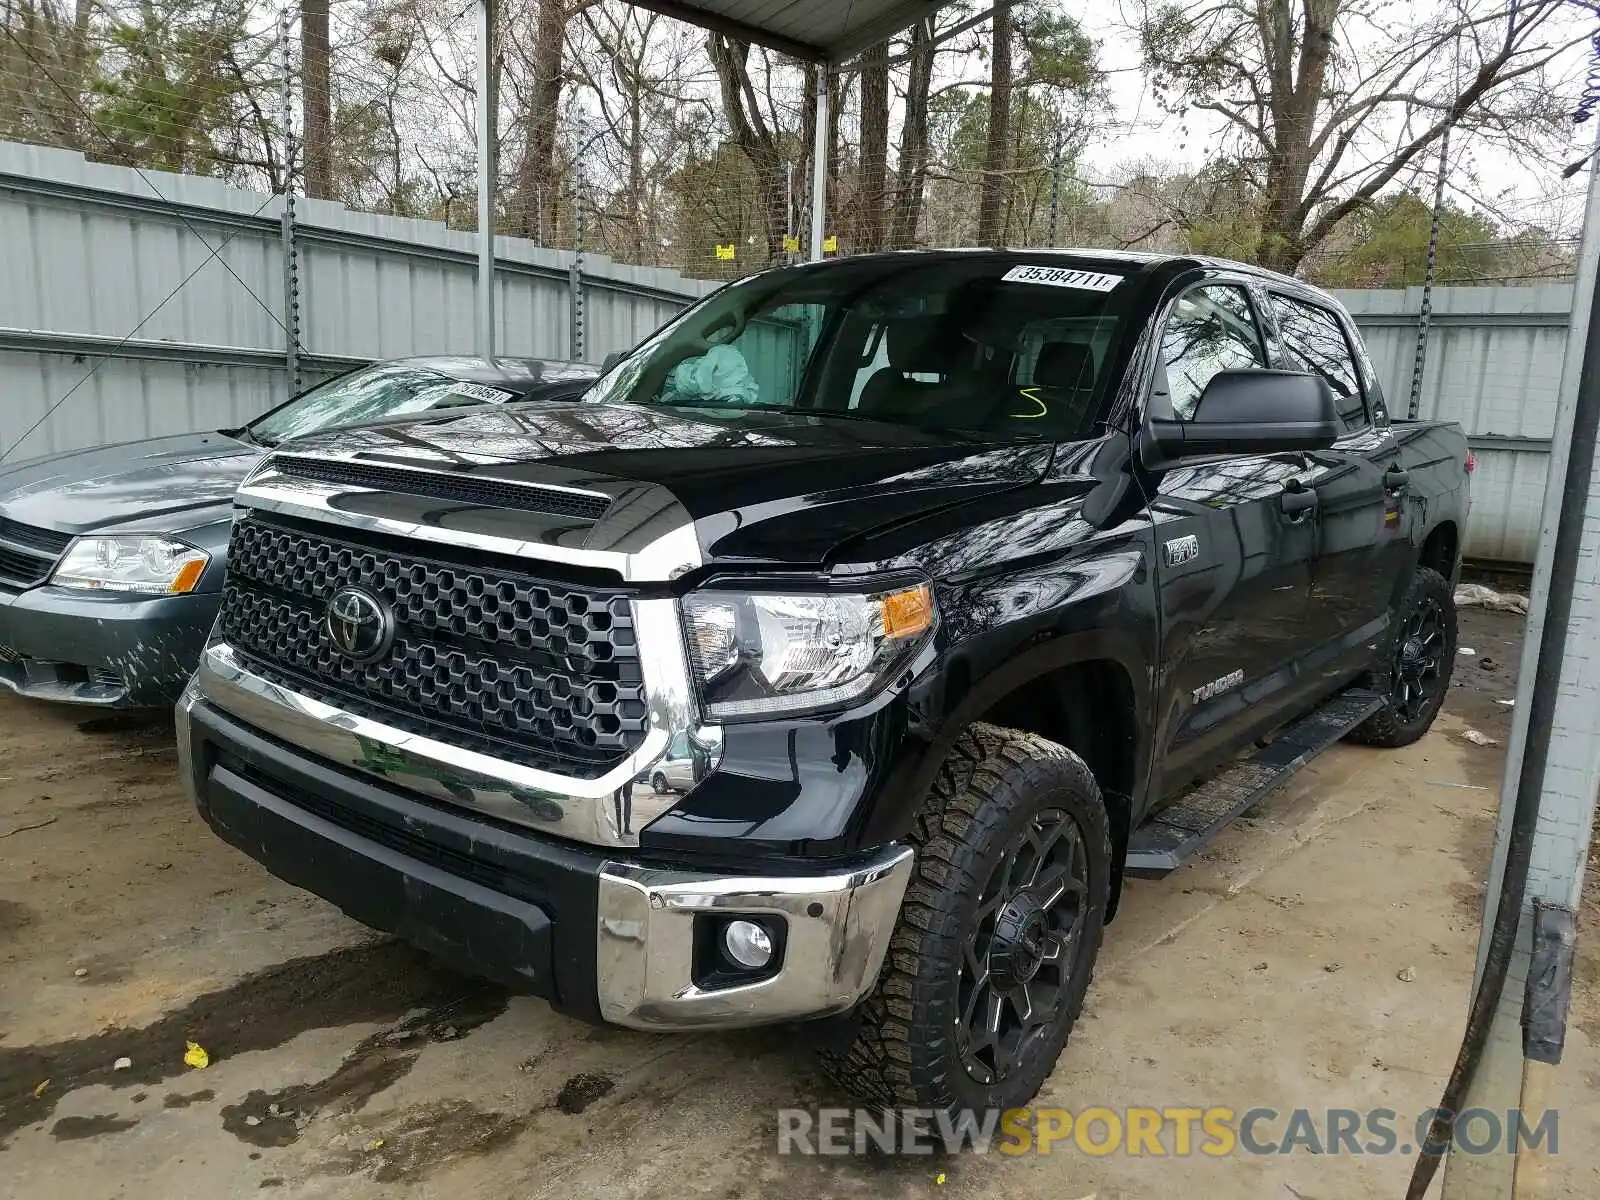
819	166
1561	742
486	177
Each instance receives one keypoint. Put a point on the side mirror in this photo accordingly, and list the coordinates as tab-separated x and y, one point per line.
1247	412
612	360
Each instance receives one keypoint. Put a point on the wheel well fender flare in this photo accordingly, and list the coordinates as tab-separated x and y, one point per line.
967	700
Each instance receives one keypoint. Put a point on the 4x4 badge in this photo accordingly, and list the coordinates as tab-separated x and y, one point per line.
1181	550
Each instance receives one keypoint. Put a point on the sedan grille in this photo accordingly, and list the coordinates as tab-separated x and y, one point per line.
533	670
28	554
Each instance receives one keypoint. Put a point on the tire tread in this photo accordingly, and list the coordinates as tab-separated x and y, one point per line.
899	1054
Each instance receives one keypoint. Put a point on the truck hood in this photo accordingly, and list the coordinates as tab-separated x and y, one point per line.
760	486
163	484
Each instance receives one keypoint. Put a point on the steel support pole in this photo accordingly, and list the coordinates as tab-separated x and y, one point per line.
819	166
486	177
1552	761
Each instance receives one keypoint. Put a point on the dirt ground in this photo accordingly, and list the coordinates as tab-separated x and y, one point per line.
1267	973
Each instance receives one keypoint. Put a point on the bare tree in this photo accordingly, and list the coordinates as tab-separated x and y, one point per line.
874	147
536	193
315	98
1327	102
642	74
997	153
758	136
912	175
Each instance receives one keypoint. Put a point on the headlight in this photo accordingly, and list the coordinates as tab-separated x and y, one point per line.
757	654
155	566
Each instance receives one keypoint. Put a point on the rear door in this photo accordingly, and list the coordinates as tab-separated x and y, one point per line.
1233	543
1360	488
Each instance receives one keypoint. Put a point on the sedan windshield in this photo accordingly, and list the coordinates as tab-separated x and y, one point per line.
975	345
370	394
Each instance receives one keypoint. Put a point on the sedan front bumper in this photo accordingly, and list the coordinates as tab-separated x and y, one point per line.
82	648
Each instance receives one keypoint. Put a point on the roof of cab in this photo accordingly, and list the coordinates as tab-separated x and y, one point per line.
1133	262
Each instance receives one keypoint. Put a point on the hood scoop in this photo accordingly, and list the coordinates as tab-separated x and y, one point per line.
479	490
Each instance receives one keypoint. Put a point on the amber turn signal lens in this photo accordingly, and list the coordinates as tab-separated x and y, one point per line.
908	613
188	575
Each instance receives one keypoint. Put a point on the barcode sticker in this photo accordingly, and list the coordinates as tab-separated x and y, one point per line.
478	391
1084	281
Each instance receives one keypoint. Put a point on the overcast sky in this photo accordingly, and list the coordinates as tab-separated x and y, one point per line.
1482	177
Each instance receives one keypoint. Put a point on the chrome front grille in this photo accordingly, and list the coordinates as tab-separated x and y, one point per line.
532	670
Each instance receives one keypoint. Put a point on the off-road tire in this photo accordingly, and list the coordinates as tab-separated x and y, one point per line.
984	799
1389	726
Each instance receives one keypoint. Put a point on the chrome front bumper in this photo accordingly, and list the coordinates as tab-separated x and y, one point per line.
837	933
607	811
365	848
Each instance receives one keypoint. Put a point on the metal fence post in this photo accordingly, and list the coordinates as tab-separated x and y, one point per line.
1055	189
575	331
291	262
1415	402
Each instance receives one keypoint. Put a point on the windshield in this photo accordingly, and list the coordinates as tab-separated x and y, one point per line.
370	394
981	346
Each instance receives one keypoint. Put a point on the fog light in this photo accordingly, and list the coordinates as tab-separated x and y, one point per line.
747	944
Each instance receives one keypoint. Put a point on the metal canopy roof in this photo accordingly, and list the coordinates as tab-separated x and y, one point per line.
828	31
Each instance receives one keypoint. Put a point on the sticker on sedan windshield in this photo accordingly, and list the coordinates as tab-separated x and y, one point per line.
477	391
1084	281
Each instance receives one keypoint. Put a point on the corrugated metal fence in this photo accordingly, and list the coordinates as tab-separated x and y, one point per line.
156	300
1494	365
160	299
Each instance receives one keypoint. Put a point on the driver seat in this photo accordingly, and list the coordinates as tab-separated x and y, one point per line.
913	347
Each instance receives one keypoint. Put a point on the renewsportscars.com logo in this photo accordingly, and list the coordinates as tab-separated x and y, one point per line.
1215	1132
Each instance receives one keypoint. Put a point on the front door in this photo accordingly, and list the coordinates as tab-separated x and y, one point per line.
1233	545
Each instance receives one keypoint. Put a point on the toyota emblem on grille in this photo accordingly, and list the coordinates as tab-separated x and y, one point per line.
360	626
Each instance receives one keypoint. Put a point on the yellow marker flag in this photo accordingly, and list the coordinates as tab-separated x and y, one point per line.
726	253
791	245
830	244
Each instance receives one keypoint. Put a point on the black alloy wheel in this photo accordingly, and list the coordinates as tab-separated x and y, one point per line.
1024	947
1419	674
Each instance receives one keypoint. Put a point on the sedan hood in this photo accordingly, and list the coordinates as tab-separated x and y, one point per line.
166	484
760	485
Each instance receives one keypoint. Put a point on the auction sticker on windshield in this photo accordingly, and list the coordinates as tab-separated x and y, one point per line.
1086	281
477	391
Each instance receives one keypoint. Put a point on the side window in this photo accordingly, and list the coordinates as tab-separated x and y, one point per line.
1314	340
1211	329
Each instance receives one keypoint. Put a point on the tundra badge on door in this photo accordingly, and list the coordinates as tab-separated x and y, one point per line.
1210	691
1181	550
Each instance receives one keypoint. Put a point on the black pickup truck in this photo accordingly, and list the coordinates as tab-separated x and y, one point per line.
841	652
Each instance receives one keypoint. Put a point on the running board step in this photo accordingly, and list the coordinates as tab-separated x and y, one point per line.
1160	846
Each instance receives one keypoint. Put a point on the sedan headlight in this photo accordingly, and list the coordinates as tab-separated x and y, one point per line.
155	566
759	654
